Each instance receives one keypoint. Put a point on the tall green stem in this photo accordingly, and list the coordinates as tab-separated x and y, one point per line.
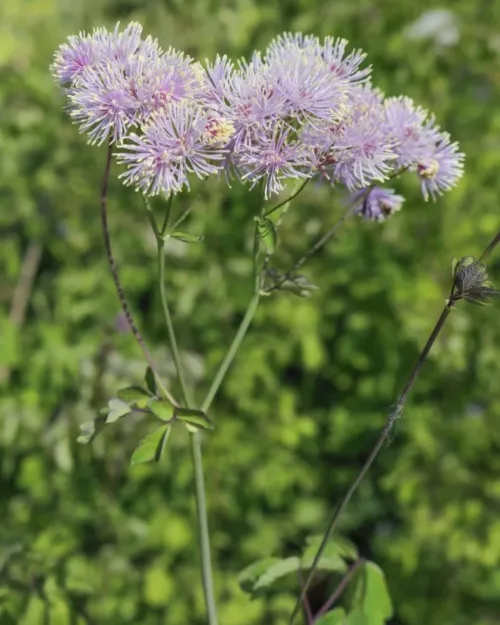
199	480
186	395
203	532
231	353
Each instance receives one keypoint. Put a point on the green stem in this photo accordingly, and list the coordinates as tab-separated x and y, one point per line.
186	395
229	357
242	330
199	480
203	532
271	210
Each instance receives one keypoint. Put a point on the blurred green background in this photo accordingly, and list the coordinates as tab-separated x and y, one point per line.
308	394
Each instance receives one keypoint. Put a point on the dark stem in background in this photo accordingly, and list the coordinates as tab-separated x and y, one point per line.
393	416
114	272
307	606
340	589
491	247
22	292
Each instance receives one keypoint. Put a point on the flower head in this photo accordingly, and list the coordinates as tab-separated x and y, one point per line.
376	203
73	57
172	145
116	80
422	147
103	104
273	157
303	107
303	80
441	169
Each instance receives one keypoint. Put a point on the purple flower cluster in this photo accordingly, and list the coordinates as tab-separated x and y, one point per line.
303	108
123	89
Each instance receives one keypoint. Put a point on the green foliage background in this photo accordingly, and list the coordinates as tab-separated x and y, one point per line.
309	392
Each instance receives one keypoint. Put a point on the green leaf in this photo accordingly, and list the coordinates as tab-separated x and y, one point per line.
134	396
343	546
151	447
454	264
267	233
333	556
257	577
358	617
150	380
117	410
185	237
90	429
371	595
196	418
162	409
334	617
277	571
249	576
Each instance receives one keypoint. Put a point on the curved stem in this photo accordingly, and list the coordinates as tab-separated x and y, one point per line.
393	416
114	272
270	211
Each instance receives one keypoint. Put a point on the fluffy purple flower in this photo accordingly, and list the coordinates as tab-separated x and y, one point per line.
155	83
376	203
308	89
412	127
250	104
178	140
305	107
296	69
273	158
103	104
331	50
117	80
73	57
101	47
345	67
442	169
423	147
358	150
